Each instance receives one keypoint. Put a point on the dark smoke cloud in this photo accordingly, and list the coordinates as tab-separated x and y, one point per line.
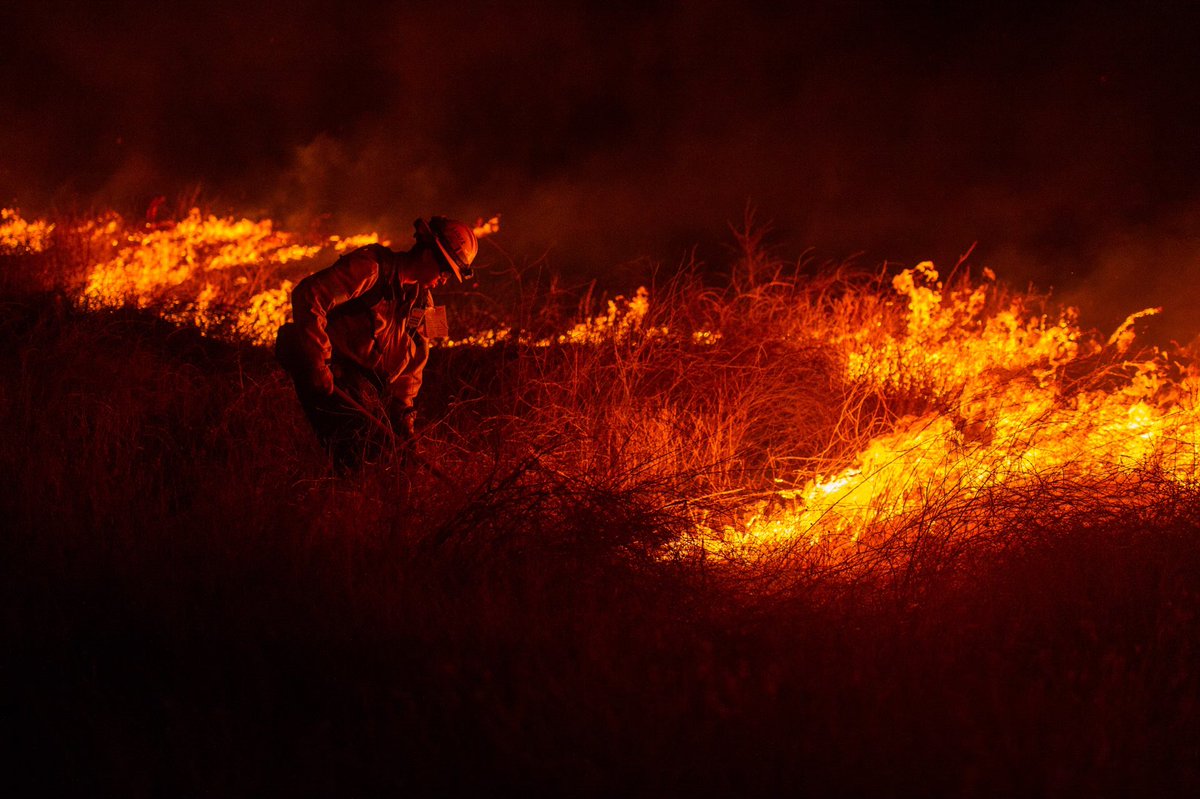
1060	137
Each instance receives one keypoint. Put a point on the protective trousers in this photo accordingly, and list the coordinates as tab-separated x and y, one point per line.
352	423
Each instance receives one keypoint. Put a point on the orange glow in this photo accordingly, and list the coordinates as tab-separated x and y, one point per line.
19	236
209	271
483	228
197	263
1008	415
1010	394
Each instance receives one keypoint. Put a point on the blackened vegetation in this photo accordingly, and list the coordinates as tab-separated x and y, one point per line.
192	604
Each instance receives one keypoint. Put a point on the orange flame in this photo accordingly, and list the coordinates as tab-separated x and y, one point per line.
1020	395
20	236
1010	418
210	269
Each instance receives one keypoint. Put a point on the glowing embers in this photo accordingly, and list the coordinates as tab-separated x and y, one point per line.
623	318
483	228
18	235
351	243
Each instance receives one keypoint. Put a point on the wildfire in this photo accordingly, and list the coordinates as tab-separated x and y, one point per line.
1014	395
1009	416
18	236
624	317
207	270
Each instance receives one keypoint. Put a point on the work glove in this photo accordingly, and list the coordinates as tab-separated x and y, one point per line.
406	424
403	418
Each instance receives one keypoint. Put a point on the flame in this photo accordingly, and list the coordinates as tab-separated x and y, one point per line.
354	242
483	229
623	318
1010	417
215	272
1013	395
19	236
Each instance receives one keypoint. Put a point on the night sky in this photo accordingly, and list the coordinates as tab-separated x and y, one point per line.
1061	137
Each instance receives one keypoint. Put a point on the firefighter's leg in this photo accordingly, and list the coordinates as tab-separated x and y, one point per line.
350	424
349	436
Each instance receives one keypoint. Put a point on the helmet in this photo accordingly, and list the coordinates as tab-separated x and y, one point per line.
455	240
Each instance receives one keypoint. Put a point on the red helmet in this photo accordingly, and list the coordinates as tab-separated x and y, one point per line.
455	240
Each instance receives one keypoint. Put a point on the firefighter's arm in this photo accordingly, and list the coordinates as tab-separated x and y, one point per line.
405	386
401	405
317	295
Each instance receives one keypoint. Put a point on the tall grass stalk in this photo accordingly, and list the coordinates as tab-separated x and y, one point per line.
194	604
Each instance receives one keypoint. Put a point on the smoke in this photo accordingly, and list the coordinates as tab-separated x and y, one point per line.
1058	138
1154	264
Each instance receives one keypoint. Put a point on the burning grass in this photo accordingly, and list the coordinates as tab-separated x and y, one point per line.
833	530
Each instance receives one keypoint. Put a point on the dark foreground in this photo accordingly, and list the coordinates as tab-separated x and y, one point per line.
192	606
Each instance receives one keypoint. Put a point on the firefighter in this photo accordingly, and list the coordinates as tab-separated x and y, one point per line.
359	338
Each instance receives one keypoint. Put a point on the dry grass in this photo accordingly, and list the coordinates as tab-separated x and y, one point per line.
193	604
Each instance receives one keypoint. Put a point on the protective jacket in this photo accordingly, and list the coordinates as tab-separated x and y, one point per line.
357	311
